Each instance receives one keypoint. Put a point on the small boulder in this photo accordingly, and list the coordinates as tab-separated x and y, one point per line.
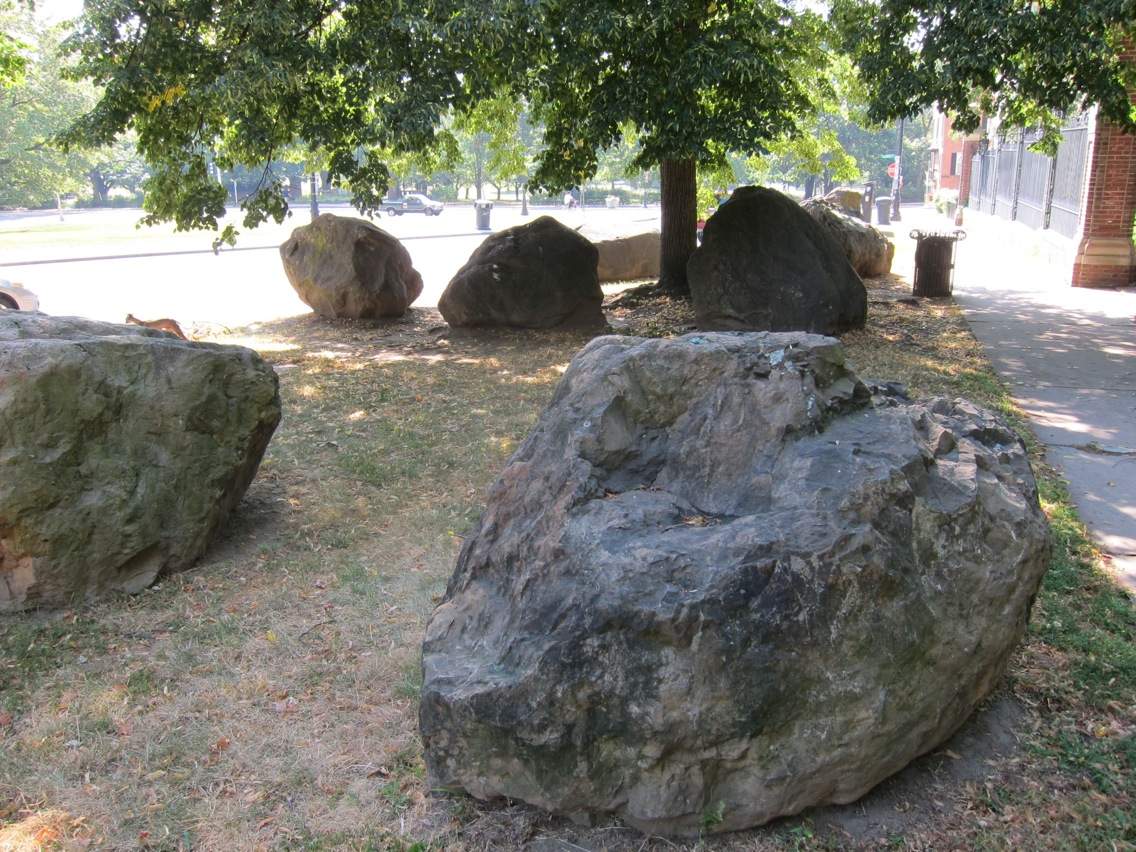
122	451
850	201
349	268
766	265
869	251
625	257
538	275
723	581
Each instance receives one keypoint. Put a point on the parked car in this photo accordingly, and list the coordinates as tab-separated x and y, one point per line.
412	202
14	297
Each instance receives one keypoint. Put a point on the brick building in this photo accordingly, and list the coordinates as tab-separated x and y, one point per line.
948	158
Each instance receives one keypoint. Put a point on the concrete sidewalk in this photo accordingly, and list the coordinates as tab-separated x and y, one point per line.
1068	356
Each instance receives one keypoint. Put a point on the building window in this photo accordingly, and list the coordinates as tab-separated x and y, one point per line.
954	163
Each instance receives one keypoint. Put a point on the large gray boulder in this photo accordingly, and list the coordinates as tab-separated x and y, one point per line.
720	582
122	451
538	275
765	265
625	256
869	251
350	268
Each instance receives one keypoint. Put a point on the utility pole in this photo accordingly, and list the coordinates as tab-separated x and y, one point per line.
898	182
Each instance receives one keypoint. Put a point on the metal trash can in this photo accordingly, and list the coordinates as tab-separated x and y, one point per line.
483	208
934	262
883	211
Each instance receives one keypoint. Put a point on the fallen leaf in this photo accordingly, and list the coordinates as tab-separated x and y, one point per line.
5	718
220	745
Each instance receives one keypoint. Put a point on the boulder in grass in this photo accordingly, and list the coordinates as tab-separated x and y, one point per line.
623	256
122	451
766	265
723	581
348	268
869	251
538	275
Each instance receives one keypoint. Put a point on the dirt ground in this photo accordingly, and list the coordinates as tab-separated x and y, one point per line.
267	698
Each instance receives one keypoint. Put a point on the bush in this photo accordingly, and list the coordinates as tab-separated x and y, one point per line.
119	202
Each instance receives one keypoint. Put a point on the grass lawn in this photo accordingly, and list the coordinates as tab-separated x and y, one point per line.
267	698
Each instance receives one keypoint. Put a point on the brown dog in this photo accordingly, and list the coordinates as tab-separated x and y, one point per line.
160	324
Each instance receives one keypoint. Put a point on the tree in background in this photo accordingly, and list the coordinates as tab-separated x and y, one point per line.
33	108
117	166
1026	62
228	84
491	141
12	60
693	78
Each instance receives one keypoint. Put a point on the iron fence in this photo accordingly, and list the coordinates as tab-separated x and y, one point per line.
1027	186
1069	179
1006	179
1033	185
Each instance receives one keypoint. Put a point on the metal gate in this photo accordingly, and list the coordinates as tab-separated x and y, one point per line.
1006	181
1069	178
1033	185
1029	187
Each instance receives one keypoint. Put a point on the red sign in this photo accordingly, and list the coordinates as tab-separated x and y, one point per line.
891	169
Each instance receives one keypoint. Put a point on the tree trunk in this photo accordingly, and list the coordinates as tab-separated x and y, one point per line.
315	205
679	198
98	186
810	186
395	190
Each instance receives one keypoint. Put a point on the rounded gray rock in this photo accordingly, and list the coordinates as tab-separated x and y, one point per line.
722	581
538	275
624	256
869	251
766	265
122	451
349	268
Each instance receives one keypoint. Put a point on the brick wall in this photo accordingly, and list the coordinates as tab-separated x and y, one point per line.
1106	256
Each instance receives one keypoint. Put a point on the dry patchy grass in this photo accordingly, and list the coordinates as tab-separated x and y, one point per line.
267	698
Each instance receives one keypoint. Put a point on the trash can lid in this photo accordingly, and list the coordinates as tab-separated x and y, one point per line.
955	236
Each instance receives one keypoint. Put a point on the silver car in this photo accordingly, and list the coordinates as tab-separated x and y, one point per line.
413	202
13	297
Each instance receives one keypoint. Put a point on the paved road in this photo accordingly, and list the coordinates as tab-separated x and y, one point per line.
160	273
1069	357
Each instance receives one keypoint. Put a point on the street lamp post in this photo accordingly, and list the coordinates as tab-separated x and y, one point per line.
898	182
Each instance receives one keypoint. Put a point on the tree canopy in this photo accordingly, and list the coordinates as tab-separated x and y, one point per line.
1026	62
34	106
210	83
